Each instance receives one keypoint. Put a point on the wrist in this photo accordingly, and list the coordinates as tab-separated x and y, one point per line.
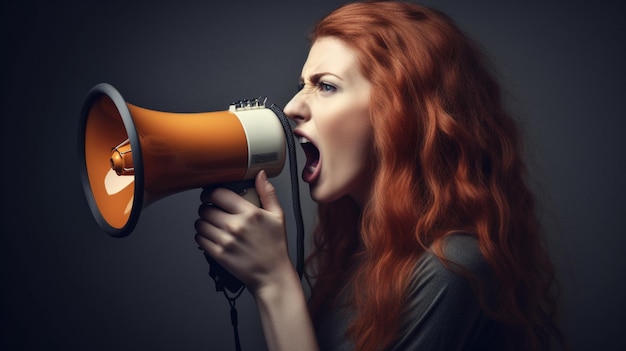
274	289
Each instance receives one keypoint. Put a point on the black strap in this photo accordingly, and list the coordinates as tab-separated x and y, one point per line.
224	282
234	320
295	187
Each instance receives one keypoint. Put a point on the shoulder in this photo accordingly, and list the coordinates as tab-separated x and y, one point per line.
463	251
462	261
443	308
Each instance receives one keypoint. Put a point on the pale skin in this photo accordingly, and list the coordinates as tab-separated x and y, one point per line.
332	112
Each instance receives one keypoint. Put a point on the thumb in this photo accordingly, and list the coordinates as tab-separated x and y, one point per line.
267	193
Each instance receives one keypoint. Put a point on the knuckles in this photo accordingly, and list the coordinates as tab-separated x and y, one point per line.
235	228
255	215
228	243
242	223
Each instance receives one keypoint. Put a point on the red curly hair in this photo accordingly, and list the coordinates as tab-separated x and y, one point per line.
447	159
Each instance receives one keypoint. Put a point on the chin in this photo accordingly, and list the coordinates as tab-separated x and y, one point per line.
324	197
321	197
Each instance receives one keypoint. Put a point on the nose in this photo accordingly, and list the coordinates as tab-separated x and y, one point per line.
297	108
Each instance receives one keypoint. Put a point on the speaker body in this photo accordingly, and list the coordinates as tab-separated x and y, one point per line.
131	156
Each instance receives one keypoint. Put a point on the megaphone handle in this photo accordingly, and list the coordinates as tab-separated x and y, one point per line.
222	277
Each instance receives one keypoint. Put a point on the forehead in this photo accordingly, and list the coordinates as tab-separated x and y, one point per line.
330	55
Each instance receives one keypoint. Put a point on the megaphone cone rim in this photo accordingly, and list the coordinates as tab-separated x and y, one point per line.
96	92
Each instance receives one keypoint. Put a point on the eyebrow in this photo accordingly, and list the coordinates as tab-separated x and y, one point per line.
315	78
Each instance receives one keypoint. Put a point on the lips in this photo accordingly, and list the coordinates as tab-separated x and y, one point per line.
313	165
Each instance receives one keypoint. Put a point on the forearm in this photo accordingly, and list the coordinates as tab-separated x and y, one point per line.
285	316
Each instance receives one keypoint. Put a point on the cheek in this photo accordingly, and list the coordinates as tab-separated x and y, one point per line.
350	141
358	135
348	121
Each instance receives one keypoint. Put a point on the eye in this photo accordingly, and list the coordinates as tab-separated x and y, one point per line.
326	87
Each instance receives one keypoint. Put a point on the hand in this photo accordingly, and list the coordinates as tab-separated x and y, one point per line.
248	241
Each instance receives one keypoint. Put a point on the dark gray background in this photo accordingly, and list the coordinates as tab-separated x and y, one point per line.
67	285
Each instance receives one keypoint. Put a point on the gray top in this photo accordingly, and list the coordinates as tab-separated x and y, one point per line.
442	312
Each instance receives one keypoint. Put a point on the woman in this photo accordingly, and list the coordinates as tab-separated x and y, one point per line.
427	237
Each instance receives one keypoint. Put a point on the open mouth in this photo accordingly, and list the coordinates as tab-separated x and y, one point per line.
312	166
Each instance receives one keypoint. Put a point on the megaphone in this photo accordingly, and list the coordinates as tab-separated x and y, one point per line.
132	156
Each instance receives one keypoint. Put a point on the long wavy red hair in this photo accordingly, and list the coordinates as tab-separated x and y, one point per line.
448	159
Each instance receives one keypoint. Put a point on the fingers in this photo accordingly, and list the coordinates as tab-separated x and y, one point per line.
248	241
231	202
221	228
209	232
207	237
225	199
216	241
208	246
267	194
212	214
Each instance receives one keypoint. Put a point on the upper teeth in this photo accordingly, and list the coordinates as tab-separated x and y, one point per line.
303	140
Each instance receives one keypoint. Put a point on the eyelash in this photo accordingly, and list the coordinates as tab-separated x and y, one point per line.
322	86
